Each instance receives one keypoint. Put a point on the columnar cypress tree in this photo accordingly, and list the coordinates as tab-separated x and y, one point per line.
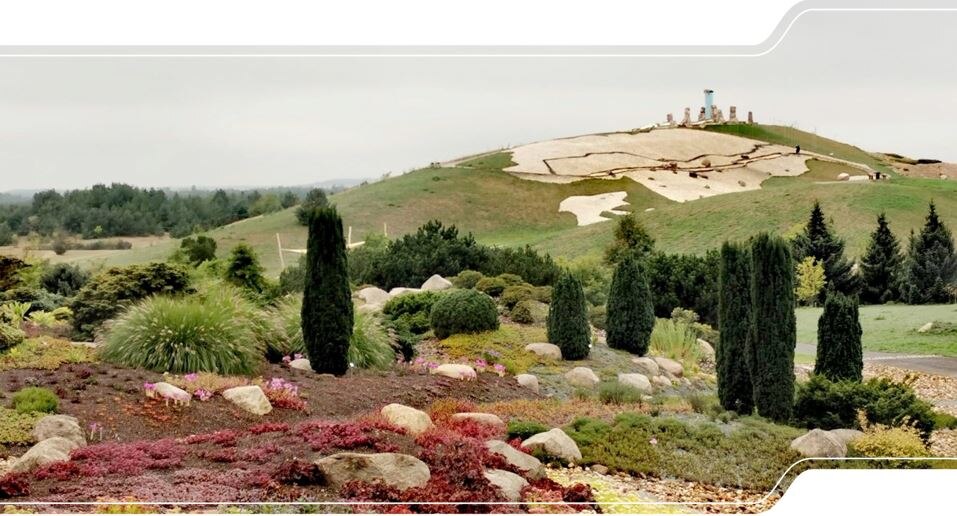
839	355
568	319
773	328
931	263
881	265
630	311
327	300
819	242
734	317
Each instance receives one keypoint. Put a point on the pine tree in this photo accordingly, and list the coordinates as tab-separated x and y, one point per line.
773	329
568	319
734	318
931	263
630	311
327	316
820	243
631	240
881	265
839	354
243	269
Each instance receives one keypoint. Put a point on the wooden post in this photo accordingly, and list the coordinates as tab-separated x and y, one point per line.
385	229
282	261
349	238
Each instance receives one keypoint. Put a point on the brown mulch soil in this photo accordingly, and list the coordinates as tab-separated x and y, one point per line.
113	397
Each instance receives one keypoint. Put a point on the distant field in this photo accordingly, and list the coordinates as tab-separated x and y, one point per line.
893	328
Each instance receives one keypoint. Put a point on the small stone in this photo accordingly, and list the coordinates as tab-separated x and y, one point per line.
529	381
636	380
457	371
509	484
394	469
59	425
646	366
412	420
301	363
598	468
545	350
843	176
819	443
436	282
250	398
673	367
926	328
554	443
581	377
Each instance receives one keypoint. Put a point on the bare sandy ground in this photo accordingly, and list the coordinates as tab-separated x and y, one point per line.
588	208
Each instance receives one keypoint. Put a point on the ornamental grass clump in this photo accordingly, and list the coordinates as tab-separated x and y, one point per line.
370	346
211	333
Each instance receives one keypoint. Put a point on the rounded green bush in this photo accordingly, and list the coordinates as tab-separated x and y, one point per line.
10	336
518	429
463	311
491	286
529	311
467	279
515	293
35	399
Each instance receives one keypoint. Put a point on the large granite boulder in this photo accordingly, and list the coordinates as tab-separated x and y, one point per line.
846	435
509	484
554	443
545	350
412	420
398	291
646	366
301	364
705	350
394	469
482	418
47	451
819	443
59	425
530	466
582	377
457	371
636	380
171	392
436	282
672	367
373	296
250	398
529	381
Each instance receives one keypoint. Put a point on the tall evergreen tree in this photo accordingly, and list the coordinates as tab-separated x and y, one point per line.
839	354
773	327
881	265
243	269
568	319
820	243
327	316
931	263
630	311
735	390
631	240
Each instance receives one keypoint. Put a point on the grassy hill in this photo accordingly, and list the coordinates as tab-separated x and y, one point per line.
501	209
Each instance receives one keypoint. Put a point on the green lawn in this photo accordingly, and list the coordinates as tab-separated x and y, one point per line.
893	328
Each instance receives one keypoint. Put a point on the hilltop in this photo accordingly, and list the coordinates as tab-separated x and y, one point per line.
481	196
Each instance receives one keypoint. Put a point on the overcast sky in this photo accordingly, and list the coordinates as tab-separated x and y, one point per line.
883	81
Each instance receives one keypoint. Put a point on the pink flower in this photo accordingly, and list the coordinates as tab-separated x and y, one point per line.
480	363
298	356
431	365
286	359
499	367
149	386
419	361
191	377
203	394
653	441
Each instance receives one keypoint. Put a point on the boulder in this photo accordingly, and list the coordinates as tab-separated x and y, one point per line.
369	308
926	328
672	367
545	350
509	484
843	176
646	366
480	417
636	380
457	371
600	469
398	291
250	398
705	350
554	443
413	421
301	363
394	469
171	392
662	381
59	425
436	282
581	377
846	435
528	381
54	449
819	443
373	296
519	460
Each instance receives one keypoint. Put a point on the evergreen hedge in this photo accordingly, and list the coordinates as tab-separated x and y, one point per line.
463	311
630	311
734	315
839	354
568	318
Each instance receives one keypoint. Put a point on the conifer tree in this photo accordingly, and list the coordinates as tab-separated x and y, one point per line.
931	264
820	243
631	240
243	269
630	311
773	327
568	319
734	317
839	354
881	265
327	316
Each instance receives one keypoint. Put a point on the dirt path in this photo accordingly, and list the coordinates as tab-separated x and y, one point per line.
933	364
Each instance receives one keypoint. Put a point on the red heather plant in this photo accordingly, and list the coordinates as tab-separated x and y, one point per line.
220	437
62	470
474	429
13	485
128	458
576	497
323	436
298	473
459	460
260	454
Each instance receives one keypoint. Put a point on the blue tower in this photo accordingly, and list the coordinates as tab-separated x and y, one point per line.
708	102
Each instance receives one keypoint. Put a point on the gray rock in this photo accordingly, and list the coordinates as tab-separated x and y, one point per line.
636	380
509	484
481	417
301	363
926	328
672	367
554	443
545	350
705	350
662	381
846	435
398	291
394	469
373	296
457	371
528	381
54	449
413	421
646	366
581	377
436	282
171	392
600	469
524	462
250	398
59	425
819	443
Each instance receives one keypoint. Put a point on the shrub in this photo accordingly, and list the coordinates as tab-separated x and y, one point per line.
684	280
492	286
463	311
598	316
515	293
630	311
16	428
617	393
370	346
209	333
315	199
567	319
689	317
293	278
773	327
520	429
734	317
529	311
37	298
286	321
467	279
64	279
883	441
327	311
198	250
35	399
43	353
109	293
675	340
414	309
839	353
822	403
505	346
523	262
243	269
10	336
